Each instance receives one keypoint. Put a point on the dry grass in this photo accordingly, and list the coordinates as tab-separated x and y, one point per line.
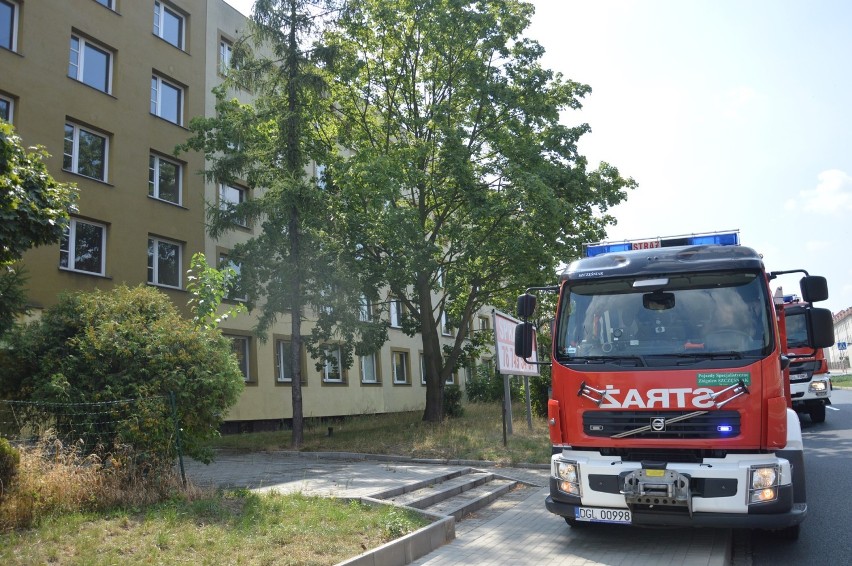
63	508
478	435
54	479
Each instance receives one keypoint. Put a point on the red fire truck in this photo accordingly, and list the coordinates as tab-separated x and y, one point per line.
669	402
810	380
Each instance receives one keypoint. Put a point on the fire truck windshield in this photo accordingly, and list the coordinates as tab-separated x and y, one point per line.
690	315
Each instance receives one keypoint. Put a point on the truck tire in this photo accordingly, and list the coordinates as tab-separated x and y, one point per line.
817	413
574	523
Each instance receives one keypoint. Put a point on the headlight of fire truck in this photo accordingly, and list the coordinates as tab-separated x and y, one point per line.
763	485
818	386
567	474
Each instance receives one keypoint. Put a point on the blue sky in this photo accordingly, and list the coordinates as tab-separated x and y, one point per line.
729	115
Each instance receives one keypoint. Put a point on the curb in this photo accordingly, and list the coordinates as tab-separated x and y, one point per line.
356	456
410	547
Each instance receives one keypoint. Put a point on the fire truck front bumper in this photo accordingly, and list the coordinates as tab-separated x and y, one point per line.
739	491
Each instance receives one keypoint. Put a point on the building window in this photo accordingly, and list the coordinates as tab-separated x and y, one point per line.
83	247
365	309
90	64
226	52
399	361
395	313
235	289
229	198
8	25
168	24
6	109
164	263
166	100
283	361
164	179
445	325
85	152
240	347
331	371
422	369
368	369
108	3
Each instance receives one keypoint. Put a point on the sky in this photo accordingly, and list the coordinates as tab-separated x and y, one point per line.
729	114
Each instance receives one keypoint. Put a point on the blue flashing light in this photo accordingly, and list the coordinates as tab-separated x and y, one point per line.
723	239
593	250
715	238
724	428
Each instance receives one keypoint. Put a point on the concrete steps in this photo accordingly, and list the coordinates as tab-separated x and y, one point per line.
456	494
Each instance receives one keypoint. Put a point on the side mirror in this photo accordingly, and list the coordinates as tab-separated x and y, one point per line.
814	288
524	340
820	328
526	306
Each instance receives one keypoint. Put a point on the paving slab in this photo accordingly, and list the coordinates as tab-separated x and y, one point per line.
514	529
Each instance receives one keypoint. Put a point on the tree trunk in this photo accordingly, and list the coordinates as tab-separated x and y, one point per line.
432	356
294	166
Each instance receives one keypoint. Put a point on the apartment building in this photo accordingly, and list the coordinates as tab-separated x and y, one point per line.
108	87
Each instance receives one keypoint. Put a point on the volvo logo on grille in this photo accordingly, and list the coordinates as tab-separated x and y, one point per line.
658	424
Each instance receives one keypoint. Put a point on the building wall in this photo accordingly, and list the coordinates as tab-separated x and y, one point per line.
35	76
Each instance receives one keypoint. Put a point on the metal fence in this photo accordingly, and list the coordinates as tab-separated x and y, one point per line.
93	427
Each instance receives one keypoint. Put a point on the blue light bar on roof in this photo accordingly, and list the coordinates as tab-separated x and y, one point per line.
715	238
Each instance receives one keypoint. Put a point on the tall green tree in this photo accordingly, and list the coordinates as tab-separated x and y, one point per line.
290	267
34	210
457	173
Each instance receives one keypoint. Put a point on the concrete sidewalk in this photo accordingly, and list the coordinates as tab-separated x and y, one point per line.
512	530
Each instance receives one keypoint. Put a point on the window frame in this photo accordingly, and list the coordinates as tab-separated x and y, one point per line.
224	261
75	150
364	380
157	82
445	325
153	269
71	232
84	43
154	191
326	366
226	53
406	366
158	29
246	354
282	348
10	105
13	25
109	4
395	312
226	204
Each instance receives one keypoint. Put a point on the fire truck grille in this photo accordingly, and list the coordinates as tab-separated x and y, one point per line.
655	424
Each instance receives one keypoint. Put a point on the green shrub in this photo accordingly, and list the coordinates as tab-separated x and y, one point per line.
453	401
10	460
129	343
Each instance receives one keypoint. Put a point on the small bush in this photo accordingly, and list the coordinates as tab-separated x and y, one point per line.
10	460
453	401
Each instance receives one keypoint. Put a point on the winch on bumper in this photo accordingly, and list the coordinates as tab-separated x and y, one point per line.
738	491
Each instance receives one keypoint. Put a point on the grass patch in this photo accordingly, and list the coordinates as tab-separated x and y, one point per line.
841	379
65	508
238	527
477	435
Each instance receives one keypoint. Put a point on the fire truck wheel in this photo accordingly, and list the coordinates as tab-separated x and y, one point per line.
817	413
574	523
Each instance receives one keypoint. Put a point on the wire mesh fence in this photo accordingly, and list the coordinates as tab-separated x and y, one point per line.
144	425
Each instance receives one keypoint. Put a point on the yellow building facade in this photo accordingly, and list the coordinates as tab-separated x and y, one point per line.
109	87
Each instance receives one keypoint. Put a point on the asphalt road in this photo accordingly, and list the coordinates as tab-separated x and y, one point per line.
825	534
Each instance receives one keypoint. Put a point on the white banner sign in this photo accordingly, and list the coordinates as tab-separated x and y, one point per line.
507	362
